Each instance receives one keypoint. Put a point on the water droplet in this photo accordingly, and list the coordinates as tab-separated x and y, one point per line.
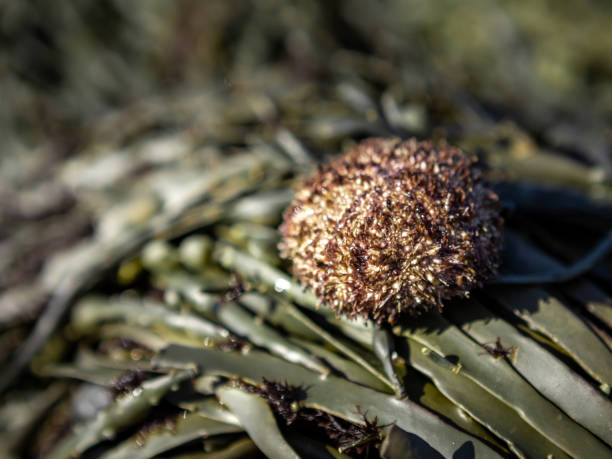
323	377
394	355
425	350
137	392
280	285
108	433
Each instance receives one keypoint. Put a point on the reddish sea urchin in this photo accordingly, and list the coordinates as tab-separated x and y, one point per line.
393	227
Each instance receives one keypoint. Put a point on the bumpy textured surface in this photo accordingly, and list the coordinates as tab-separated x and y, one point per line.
393	227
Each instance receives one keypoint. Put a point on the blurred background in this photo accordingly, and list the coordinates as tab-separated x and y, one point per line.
546	66
96	91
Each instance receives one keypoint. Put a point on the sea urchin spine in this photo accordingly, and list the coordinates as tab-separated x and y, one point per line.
393	227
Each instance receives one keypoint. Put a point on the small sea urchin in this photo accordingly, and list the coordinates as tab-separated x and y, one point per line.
393	227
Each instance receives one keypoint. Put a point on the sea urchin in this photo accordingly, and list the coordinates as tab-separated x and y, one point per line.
393	227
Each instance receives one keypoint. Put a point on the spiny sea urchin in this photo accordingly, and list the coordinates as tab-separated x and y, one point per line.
393	227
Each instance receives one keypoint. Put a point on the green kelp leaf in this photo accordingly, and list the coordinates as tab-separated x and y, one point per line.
259	272
305	446
541	166
500	379
263	207
435	397
258	420
211	408
432	398
308	447
124	411
341	127
548	315
595	300
194	252
269	279
349	369
147	338
553	379
356	96
268	308
337	342
243	448
184	429
100	376
399	444
192	289
293	148
382	345
185	189
334	395
92	367
210	278
462	394
22	412
207	385
242	323
91	312
479	403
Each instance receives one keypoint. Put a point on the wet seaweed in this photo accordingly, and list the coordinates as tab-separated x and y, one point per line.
359	440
